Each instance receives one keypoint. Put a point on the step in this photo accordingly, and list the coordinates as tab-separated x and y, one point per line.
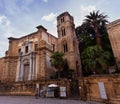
115	101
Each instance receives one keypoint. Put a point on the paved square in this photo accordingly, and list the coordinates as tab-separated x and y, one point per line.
33	100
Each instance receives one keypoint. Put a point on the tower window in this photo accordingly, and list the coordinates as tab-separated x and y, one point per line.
35	47
65	48
26	49
63	32
62	19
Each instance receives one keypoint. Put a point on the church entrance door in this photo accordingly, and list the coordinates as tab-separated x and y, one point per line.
26	72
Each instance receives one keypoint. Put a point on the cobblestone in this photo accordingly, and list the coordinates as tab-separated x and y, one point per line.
33	100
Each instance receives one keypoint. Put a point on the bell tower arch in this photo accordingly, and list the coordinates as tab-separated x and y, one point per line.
67	41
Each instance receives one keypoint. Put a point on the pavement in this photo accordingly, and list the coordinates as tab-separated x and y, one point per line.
33	100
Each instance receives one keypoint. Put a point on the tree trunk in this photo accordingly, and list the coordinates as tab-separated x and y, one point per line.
97	36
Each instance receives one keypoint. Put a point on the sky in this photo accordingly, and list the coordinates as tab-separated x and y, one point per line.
20	17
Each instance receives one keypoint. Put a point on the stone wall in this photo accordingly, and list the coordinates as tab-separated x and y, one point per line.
9	69
90	88
1	67
28	88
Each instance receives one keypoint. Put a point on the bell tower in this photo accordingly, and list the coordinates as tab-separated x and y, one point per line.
67	41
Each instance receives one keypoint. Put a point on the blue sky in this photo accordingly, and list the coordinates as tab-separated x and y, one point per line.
20	17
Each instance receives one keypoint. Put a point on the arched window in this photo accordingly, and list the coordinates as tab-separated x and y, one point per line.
65	47
26	49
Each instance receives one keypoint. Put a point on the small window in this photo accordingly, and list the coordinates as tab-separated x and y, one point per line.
65	48
26	49
62	19
35	47
63	32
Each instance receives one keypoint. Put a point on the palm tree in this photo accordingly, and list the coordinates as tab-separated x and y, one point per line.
95	59
57	61
96	21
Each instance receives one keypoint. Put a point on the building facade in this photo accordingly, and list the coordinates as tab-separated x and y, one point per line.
113	29
28	57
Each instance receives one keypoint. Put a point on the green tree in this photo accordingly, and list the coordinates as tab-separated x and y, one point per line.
97	22
67	72
87	36
95	59
57	61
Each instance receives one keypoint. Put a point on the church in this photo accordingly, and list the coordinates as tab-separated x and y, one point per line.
28	57
26	64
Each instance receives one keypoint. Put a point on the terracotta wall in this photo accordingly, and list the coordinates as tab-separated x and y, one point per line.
90	88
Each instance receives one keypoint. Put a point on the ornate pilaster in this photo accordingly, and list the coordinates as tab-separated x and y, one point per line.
21	71
31	67
18	70
18	77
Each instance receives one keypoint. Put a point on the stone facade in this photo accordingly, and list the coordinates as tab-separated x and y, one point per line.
28	57
113	29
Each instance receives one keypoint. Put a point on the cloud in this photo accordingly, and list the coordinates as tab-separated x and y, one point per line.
27	2
4	44
11	7
6	30
45	0
88	8
4	21
84	10
55	22
49	17
16	7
